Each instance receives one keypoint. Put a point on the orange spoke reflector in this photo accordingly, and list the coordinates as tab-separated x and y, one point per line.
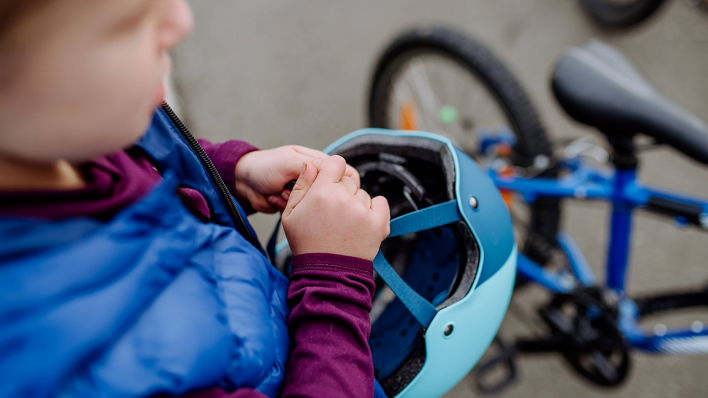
408	116
504	151
507	196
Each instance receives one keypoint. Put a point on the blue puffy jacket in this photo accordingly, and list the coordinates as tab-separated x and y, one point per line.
153	301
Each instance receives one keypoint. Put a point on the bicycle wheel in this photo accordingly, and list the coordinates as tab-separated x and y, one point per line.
616	14
438	80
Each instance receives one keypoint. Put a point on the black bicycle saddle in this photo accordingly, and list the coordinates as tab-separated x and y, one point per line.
598	86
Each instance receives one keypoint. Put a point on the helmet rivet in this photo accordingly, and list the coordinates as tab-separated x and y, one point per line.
448	329
473	202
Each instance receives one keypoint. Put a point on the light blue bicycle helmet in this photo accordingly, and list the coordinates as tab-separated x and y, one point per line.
446	272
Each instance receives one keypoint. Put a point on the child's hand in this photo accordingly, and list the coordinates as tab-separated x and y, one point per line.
328	213
261	175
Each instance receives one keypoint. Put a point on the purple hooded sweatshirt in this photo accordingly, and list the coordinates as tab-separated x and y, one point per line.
329	295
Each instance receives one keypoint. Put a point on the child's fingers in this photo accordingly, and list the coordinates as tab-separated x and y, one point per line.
349	183
317	157
262	204
351	172
364	198
313	153
331	169
303	184
380	207
278	202
293	164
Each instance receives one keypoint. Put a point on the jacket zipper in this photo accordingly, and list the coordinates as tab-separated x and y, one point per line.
223	191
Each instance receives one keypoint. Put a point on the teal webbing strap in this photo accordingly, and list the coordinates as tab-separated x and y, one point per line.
430	217
421	308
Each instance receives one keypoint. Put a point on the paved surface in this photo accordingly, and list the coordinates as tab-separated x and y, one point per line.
276	73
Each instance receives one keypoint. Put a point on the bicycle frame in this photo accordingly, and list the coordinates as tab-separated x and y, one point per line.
626	193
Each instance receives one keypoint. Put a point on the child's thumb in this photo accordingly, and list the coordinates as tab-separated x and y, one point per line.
302	185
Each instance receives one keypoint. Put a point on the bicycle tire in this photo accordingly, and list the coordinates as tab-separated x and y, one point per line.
473	56
617	16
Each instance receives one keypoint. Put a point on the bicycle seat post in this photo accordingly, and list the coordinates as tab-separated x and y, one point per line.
624	152
624	157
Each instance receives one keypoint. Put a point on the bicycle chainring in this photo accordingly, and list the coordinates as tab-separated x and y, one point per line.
585	327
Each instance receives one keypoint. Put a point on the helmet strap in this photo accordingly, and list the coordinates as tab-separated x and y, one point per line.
420	220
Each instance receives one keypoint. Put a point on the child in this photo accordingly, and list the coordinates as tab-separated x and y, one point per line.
108	286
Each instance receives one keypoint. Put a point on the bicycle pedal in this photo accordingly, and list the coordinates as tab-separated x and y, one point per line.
487	373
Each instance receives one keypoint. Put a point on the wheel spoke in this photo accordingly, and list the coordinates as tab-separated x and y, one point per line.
425	93
460	96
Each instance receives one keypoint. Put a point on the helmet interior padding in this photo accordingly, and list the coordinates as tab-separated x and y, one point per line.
440	264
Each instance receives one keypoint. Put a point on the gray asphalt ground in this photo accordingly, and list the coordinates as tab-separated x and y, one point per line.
275	73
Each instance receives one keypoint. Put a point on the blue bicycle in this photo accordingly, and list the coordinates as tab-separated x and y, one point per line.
438	80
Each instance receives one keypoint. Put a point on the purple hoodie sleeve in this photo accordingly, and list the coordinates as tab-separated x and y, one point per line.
225	156
330	299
